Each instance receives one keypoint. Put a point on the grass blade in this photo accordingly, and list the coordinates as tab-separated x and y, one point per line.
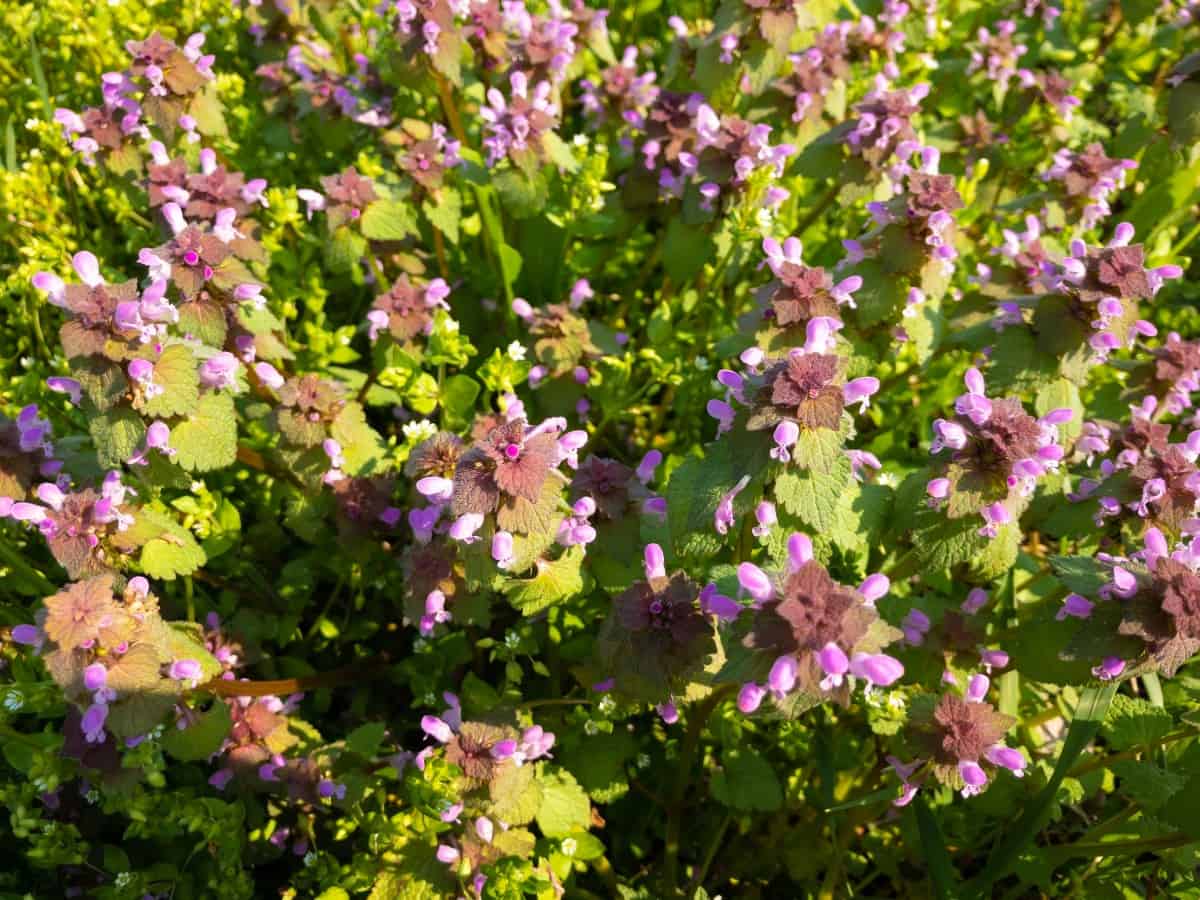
937	857
1089	713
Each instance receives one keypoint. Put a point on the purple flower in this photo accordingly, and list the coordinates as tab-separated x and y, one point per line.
219	371
186	670
1074	606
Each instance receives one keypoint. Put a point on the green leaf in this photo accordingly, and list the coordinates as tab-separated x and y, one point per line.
1081	574
175	372
1133	722
1062	394
366	739
207	439
746	781
445	214
344	249
559	152
516	794
208	112
362	447
205	321
565	807
943	543
814	495
820	449
696	489
522	195
202	737
1183	113
686	249
118	434
598	762
937	857
1149	785
103	382
458	400
387	220
173	552
555	581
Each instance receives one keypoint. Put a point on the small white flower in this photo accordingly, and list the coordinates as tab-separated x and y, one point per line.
516	351
569	846
415	432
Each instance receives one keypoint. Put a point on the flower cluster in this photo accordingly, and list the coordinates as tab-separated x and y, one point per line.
114	657
162	84
962	742
406	310
999	452
820	636
883	123
1088	178
517	126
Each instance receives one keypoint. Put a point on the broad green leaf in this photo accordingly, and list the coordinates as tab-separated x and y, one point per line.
365	740
565	807
174	372
746	781
555	581
202	737
445	214
1133	722
387	220
207	439
118	434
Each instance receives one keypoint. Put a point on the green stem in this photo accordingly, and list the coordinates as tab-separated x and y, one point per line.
815	213
697	719
1103	762
189	597
1121	848
709	855
1181	244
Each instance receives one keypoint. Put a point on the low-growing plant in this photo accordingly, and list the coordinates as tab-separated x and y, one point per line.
466	448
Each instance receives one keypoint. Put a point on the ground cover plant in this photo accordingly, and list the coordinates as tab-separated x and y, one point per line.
472	448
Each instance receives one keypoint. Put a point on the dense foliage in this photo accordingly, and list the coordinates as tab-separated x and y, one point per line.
472	448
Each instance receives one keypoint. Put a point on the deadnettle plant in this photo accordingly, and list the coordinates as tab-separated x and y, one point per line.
406	310
114	656
817	637
960	740
883	123
164	85
562	340
815	71
656	638
623	93
343	197
518	127
1086	180
1102	287
492	765
794	396
203	194
27	453
997	453
510	479
82	528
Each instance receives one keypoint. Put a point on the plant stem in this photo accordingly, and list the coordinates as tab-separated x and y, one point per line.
709	855
371	667
691	740
815	213
1116	848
